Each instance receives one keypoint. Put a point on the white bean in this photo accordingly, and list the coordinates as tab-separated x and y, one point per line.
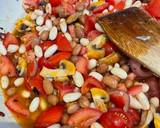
48	8
50	51
40	20
78	79
19	81
12	48
72	96
96	125
128	3
68	36
98	27
38	51
134	103
55	126
96	75
38	12
137	4
4	82
154	101
119	72
63	25
53	33
22	49
92	63
84	41
25	94
48	24
34	104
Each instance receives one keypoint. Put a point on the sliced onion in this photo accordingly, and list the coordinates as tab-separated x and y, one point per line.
138	70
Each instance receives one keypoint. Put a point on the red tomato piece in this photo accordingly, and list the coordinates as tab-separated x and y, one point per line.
68	8
83	118
37	82
101	8
43	62
63	44
89	23
63	88
31	4
115	118
122	87
32	68
14	105
7	67
109	48
154	8
46	44
82	65
134	116
55	3
50	116
120	99
10	39
93	34
89	83
135	89
56	58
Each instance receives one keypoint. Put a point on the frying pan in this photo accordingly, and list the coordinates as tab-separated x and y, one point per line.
10	11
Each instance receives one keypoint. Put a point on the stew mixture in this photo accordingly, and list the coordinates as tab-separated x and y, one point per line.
59	70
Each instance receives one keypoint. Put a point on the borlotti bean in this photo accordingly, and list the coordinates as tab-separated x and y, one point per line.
78	79
34	104
4	82
72	96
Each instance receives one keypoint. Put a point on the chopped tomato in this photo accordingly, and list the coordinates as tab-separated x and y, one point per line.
101	8
120	99
68	8
32	68
63	44
63	88
10	39
109	48
46	44
89	24
83	118
70	1
55	3
115	118
122	87
89	83
56	58
7	67
154	8
31	4
82	65
14	105
43	62
134	116
50	116
37	82
93	34
135	89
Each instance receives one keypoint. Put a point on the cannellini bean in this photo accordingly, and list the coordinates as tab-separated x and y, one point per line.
19	81
48	24
55	126
72	96
68	36
92	105
98	27
92	63
12	48
25	94
48	87
96	75
38	12
40	20
119	72
3	50
116	65
34	104
53	33
78	79
128	3
110	67
84	41
63	25
85	11
96	125
143	100
105	11
48	8
149	117
22	49
4	82
145	87
137	4
154	101
38	51
134	103
50	51
33	16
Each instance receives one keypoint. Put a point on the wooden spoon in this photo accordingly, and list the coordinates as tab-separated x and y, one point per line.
137	34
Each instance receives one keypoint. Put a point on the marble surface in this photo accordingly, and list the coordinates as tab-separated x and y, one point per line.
10	10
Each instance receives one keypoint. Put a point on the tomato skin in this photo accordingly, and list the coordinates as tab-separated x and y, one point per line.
82	65
46	44
114	119
134	116
43	62
101	8
63	88
50	116
32	68
109	48
10	39
63	44
17	107
154	8
89	83
56	58
55	3
83	118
